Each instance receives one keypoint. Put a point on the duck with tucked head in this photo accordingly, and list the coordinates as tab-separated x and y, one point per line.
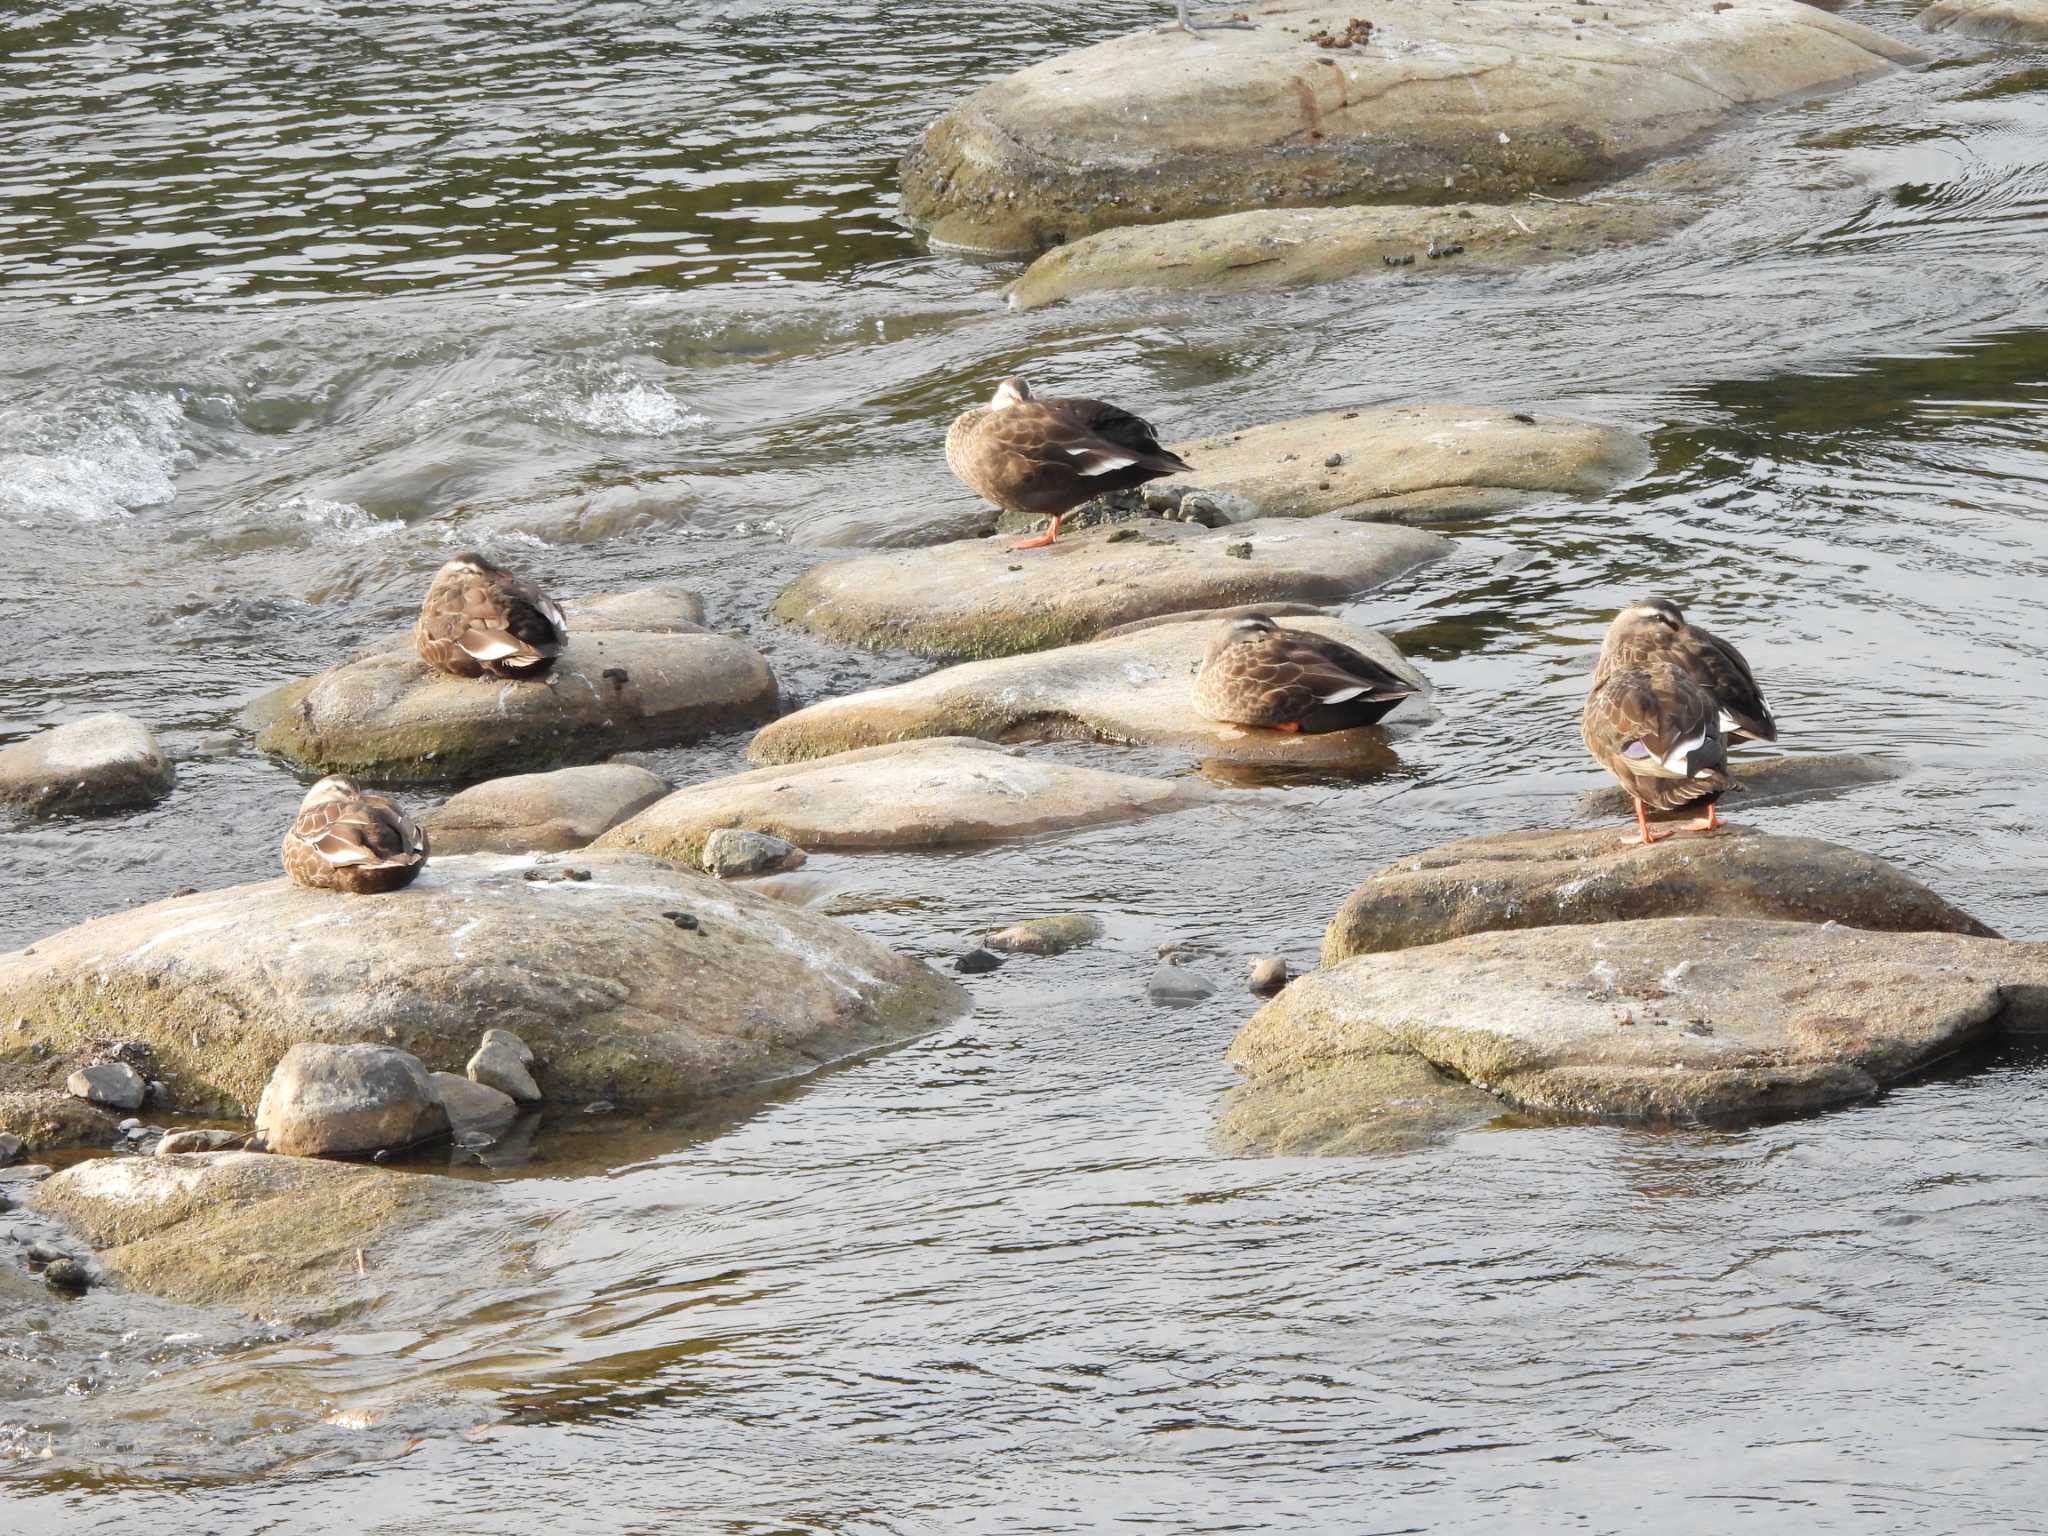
481	620
1043	458
345	839
1651	631
1258	673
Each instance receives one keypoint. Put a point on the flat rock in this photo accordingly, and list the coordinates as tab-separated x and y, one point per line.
1403	464
348	1101
1764	781
276	1236
391	718
1136	687
1378	1103
1669	1019
913	794
2000	21
101	763
1545	879
475	1110
178	1143
618	1000
1046	935
976	598
542	812
1449	101
733	852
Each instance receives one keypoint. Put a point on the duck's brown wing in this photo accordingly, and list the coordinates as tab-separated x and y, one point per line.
1294	678
1055	454
1724	672
364	843
1659	733
473	623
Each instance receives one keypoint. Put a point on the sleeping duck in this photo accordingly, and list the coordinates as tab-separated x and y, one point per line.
478	619
1259	674
1043	458
346	840
1651	631
1659	733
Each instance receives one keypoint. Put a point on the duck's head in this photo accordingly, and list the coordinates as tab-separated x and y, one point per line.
1012	391
1245	627
1648	617
336	786
473	563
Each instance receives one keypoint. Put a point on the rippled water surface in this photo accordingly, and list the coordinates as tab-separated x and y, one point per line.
296	298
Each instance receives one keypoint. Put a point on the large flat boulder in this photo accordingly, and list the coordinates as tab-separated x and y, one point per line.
100	763
1670	1019
654	681
632	980
1450	100
977	598
1135	687
2000	21
912	794
542	812
1544	879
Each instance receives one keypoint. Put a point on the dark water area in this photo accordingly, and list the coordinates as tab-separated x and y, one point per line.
298	298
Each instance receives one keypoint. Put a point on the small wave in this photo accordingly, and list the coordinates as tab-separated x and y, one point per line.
616	408
339	518
91	462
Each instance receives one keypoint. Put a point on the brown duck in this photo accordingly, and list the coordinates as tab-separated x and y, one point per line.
479	619
1659	733
1043	458
1257	673
344	839
1651	631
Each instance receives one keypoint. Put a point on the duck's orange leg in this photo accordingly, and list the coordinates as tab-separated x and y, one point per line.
1644	836
1044	538
1287	725
1707	823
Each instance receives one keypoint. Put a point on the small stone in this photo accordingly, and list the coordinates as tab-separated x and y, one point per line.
1178	988
598	1107
1333	461
1239	551
348	1100
177	1143
475	1112
976	962
686	921
11	1149
500	1062
112	1083
1047	935
1268	975
738	851
128	1125
576	874
67	1276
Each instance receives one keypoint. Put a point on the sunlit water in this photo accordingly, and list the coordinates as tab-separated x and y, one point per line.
298	298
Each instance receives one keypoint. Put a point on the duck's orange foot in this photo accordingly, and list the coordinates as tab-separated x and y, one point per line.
1288	725
1711	822
1043	539
1644	836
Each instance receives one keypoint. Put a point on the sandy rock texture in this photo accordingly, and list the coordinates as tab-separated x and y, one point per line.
542	812
102	763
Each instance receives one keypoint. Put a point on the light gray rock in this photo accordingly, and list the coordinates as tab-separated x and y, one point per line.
1268	974
618	999
1450	101
475	1110
348	1100
102	763
112	1083
737	851
1178	987
1047	935
178	1143
501	1062
1999	21
542	812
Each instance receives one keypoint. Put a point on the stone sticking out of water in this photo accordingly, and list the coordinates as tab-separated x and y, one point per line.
542	812
1047	935
114	1084
103	763
500	1062
735	852
348	1100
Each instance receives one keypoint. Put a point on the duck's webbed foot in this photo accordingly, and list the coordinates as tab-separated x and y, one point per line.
1236	22
1643	835
1044	538
1711	822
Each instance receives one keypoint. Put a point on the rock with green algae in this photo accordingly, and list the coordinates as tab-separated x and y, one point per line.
1451	100
618	1000
1046	935
978	598
1667	1020
1137	686
1999	21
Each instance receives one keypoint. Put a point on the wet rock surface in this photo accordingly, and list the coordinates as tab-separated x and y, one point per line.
101	763
1046	935
390	718
1136	687
1543	879
913	794
1480	100
542	812
618	1000
2002	21
348	1101
1764	781
1670	1019
978	598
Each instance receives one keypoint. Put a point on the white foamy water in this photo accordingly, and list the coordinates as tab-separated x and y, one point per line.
640	408
89	463
343	520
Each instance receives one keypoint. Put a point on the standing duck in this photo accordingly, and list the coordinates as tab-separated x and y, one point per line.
344	839
479	619
1259	674
1651	631
1043	458
1659	733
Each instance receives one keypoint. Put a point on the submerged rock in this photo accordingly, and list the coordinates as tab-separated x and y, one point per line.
112	1083
1267	975
1670	1019
731	852
1177	987
348	1101
1383	1103
914	794
618	1001
102	763
542	812
1764	781
2000	21
1047	935
1138	686
1475	100
1544	879
391	718
977	598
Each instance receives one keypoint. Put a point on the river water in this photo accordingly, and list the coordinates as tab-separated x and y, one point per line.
298	297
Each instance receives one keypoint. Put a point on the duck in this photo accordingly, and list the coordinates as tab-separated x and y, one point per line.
1653	630
1043	458
479	619
1659	733
1259	673
346	839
